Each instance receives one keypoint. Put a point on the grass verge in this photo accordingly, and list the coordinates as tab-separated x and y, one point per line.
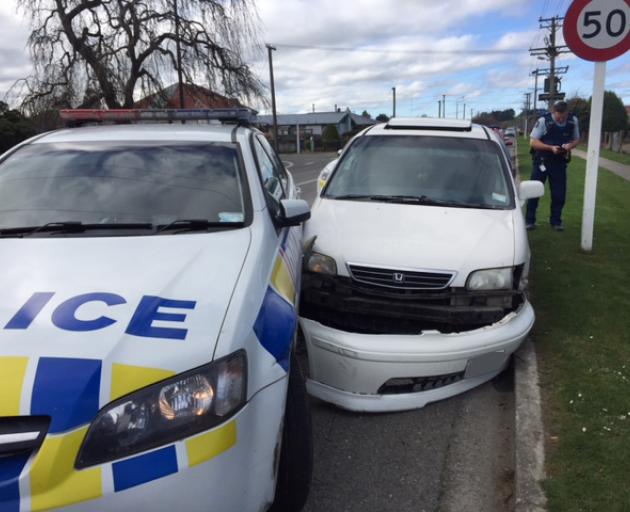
622	158
582	336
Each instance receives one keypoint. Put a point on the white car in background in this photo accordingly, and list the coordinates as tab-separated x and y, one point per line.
415	278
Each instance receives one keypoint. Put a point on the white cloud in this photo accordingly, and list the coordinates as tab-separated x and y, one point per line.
14	60
394	37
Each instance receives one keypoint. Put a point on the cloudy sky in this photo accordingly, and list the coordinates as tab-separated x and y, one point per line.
350	53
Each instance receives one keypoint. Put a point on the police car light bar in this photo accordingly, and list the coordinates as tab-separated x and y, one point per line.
234	115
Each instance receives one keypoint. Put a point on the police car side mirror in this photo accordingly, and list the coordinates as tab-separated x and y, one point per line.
293	212
530	190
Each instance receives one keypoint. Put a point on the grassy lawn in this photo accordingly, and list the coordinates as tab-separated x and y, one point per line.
582	336
622	158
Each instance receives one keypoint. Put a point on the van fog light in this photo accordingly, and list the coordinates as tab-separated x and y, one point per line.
321	264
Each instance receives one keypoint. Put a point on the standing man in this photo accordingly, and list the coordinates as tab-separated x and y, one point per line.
553	137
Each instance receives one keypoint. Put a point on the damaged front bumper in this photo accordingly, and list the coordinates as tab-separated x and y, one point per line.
367	371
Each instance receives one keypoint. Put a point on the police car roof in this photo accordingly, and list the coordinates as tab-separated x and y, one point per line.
175	132
430	127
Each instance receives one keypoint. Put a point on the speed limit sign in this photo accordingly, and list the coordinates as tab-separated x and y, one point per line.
598	30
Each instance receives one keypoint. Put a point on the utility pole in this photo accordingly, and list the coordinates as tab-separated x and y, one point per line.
394	101
471	114
273	98
550	52
180	78
462	99
439	108
443	105
535	73
526	116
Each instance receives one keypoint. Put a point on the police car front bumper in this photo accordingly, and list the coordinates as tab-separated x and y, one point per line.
229	468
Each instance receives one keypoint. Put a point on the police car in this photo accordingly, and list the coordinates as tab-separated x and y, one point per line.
147	317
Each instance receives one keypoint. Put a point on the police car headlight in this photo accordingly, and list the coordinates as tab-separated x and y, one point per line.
168	411
490	279
321	264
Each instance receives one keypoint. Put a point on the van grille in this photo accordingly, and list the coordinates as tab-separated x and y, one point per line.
401	279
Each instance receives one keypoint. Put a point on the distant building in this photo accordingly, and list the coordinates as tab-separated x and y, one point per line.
195	96
312	125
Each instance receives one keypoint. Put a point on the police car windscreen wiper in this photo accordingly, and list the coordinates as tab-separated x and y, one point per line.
187	225
71	227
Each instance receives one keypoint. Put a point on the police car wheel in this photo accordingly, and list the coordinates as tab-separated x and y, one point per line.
296	455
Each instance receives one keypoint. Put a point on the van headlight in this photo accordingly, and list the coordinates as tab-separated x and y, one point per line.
491	279
168	411
321	264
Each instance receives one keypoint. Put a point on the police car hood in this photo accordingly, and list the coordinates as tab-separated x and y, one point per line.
413	236
153	302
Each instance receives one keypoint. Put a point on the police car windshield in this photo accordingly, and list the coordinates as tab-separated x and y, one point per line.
441	171
123	183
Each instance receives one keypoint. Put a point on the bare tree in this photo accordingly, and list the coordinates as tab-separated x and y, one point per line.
88	51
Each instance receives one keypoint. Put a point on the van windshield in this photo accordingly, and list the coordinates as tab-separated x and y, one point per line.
443	171
121	183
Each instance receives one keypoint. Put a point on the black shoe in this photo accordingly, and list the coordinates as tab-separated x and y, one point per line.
530	226
557	227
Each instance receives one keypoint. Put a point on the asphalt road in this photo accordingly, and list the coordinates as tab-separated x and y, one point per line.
453	455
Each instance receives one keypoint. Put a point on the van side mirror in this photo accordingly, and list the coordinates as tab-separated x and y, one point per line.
530	190
293	212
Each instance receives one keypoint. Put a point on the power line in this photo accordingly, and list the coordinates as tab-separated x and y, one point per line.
480	51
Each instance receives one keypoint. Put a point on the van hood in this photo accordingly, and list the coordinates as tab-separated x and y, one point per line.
413	236
149	301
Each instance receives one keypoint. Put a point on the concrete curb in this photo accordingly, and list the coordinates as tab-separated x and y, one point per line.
529	442
529	466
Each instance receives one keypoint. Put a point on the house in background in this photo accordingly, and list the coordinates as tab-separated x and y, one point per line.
311	126
195	96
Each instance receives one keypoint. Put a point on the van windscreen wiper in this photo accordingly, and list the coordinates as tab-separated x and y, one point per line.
403	199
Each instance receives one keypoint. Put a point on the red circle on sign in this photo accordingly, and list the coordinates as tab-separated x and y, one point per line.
577	46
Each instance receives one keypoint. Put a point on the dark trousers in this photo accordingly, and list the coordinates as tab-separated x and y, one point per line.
557	174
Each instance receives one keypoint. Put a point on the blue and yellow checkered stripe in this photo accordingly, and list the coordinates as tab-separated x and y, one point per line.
68	390
276	322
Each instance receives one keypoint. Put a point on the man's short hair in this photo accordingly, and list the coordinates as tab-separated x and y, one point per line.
560	106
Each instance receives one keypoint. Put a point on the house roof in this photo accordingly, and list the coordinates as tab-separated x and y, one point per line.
195	96
315	118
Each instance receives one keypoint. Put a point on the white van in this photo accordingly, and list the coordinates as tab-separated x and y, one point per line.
415	283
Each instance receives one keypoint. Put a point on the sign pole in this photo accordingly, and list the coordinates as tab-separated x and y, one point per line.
592	161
